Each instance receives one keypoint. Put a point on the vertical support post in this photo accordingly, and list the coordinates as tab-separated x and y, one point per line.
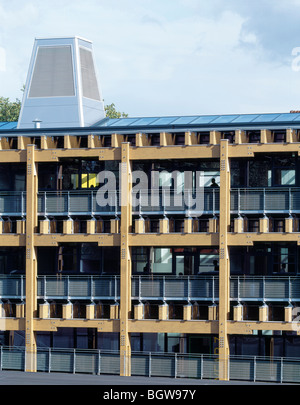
125	276
224	222
31	264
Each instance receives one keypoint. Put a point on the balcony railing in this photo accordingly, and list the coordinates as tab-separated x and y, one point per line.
79	287
154	364
85	202
265	200
161	288
13	203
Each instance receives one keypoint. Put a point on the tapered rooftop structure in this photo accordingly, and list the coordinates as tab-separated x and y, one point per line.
62	88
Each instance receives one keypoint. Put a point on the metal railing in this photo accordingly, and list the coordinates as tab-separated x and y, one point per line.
155	287
84	202
78	287
265	200
13	203
174	288
155	364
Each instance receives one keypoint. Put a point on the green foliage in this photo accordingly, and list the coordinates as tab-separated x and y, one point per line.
111	112
9	110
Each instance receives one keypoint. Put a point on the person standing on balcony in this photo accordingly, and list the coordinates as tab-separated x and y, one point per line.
213	183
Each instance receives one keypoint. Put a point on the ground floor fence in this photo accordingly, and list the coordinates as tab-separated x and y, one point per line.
153	364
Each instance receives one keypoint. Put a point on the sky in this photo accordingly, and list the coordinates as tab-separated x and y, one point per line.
168	57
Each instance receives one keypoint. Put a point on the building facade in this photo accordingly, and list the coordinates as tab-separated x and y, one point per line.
78	271
148	234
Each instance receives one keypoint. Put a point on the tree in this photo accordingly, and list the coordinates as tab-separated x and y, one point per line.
111	112
10	110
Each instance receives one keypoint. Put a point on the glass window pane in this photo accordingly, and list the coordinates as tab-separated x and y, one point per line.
162	260
225	119
245	118
288	177
205	119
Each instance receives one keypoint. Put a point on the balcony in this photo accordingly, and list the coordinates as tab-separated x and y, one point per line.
160	288
270	200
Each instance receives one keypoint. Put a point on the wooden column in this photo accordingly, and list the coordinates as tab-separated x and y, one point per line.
224	222
125	276
31	265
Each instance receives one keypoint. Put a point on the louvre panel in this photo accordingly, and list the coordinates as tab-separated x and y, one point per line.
295	200
79	287
12	286
277	288
210	368
162	366
291	371
43	360
140	364
53	72
204	287
106	287
251	200
12	203
277	200
188	367
110	363
62	361
152	288
86	362
56	203
13	359
80	203
176	288
242	369
251	288
295	287
267	370
89	80
52	286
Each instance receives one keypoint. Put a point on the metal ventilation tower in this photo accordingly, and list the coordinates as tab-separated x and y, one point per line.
62	88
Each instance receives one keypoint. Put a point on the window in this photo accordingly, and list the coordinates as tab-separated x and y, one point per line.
162	260
140	260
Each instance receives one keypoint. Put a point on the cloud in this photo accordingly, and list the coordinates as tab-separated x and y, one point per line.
168	57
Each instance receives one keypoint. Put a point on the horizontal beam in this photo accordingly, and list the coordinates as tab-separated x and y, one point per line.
248	238
55	239
52	155
175	239
102	325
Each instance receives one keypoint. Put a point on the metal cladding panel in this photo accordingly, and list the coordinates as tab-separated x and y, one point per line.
53	73
88	75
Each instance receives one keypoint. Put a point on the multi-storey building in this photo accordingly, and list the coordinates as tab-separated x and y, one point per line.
152	234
